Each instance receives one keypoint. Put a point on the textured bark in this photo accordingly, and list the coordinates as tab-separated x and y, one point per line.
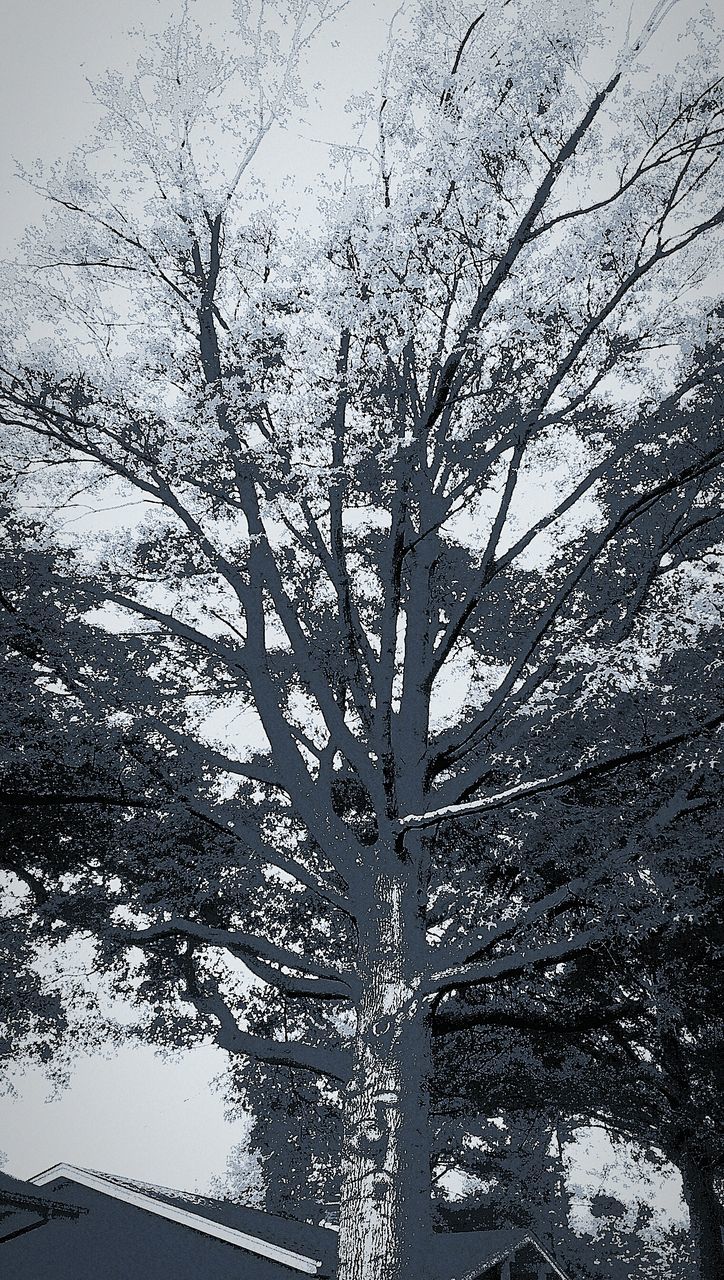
386	1214
705	1214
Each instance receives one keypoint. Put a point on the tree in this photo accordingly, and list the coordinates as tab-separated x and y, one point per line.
64	768
37	735
662	1082
469	432
630	1038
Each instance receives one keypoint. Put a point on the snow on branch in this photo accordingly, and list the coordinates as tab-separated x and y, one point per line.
451	979
474	946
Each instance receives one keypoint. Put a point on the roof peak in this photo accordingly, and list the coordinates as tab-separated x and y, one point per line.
124	1190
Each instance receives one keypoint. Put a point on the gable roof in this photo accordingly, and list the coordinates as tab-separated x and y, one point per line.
15	1192
216	1218
463	1255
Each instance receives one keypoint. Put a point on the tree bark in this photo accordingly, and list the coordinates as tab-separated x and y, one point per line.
386	1218
705	1214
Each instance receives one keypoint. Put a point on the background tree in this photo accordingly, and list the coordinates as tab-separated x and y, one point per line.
40	738
631	1037
469	434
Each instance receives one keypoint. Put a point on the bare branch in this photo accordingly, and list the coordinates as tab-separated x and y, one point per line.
484	570
446	752
448	380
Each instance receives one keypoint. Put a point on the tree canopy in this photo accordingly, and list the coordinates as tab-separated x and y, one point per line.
408	521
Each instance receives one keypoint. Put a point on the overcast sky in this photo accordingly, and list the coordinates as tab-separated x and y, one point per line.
52	49
133	1113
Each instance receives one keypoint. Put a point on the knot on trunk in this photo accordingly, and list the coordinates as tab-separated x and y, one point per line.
381	1186
400	1004
370	1141
373	1133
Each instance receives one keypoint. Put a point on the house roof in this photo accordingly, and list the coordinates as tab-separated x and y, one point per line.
282	1240
463	1255
298	1246
15	1192
21	1210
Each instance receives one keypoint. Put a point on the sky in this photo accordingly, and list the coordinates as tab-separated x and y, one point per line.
131	1112
53	50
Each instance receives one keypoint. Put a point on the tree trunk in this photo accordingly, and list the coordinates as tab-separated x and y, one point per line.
705	1214
386	1216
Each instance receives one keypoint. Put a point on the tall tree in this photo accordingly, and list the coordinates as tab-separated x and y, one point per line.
420	494
628	1037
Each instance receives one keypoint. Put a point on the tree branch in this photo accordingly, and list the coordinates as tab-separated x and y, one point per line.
459	976
474	946
445	755
439	393
448	1019
286	1053
317	988
237	943
524	790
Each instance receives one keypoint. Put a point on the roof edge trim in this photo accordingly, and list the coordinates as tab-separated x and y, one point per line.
253	1244
551	1261
526	1237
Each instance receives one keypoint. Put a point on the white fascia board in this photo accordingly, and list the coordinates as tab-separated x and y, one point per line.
502	1254
534	1240
174	1213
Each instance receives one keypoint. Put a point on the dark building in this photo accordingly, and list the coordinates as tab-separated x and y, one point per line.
76	1224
